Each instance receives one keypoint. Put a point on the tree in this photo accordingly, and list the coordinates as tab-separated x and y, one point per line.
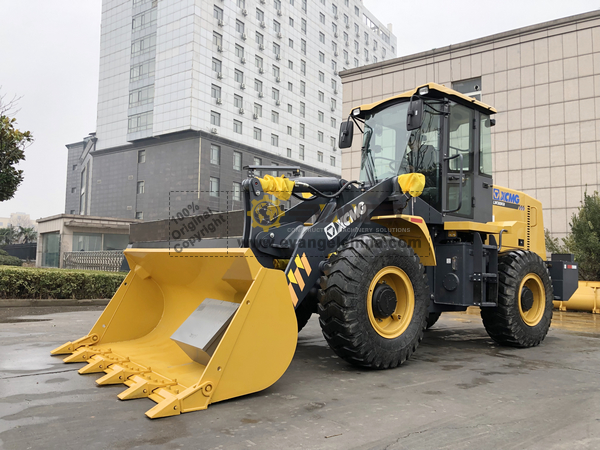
584	239
27	234
12	150
8	236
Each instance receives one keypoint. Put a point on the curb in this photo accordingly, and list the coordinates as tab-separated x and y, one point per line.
12	303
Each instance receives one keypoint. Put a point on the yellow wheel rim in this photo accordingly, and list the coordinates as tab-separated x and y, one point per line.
393	326
533	315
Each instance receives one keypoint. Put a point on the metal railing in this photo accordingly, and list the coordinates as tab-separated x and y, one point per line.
108	261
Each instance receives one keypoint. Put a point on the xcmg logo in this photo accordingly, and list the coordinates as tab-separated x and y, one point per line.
508	197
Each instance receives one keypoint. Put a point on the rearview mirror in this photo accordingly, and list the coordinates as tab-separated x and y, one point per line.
414	116
346	133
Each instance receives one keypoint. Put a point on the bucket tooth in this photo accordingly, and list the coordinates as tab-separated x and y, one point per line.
143	387
115	374
170	406
83	354
70	347
96	364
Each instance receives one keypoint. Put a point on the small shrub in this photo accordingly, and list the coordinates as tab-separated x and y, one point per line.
34	283
6	260
3	252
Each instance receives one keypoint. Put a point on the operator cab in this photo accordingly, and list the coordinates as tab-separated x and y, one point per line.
435	131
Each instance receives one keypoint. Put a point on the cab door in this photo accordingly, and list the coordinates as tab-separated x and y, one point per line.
459	162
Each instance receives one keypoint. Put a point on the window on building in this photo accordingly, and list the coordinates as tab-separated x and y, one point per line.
258	62
140	187
333	122
237	126
345	37
346	19
356	30
276	26
322	57
241	4
139	215
366	38
214	187
236	192
303	67
239	26
143	45
366	55
257	134
334	9
73	190
215	118
257	162
320	138
355	62
290	86
332	142
141	156
276	49
470	87
238	76
301	151
302	109
276	71
260	39
215	154
321	77
334	84
291	22
290	65
303	46
274	140
332	160
216	65
374	58
357	11
321	37
275	94
260	15
289	152
238	101
217	39
302	130
258	110
303	25
258	86
322	18
237	160
302	87
289	108
274	117
148	18
334	67
320	156
141	96
321	116
321	96
215	91
140	122
277	4
356	46
142	70
290	43
289	130
304	5
333	104
334	47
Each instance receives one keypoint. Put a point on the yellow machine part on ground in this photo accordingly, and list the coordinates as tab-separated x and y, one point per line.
136	339
585	298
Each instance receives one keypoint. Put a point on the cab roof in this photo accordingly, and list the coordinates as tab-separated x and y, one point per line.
434	87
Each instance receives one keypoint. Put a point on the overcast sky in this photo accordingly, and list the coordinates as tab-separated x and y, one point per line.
49	57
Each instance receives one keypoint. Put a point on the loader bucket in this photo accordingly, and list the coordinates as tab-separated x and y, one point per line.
192	328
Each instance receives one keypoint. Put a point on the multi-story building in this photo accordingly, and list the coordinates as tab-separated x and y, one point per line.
191	91
544	80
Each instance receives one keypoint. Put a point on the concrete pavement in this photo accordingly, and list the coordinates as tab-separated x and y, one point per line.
459	391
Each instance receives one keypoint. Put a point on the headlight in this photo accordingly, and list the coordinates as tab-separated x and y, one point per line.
424	90
356	112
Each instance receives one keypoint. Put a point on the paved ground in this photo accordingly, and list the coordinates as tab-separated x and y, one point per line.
460	391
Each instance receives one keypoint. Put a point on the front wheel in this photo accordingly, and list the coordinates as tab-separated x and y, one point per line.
373	301
524	312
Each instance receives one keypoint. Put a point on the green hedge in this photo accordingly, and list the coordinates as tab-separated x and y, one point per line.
3	252
6	260
33	283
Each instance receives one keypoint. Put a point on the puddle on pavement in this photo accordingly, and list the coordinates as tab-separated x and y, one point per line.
17	320
583	322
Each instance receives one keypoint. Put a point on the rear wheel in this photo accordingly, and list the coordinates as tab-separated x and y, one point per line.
373	301
524	312
432	318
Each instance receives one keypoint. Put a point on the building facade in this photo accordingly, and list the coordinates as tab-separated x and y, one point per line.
544	80
191	91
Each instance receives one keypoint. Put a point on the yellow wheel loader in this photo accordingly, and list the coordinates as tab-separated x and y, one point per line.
422	232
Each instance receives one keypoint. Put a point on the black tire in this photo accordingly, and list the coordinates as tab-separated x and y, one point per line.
344	315
432	318
307	307
513	322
